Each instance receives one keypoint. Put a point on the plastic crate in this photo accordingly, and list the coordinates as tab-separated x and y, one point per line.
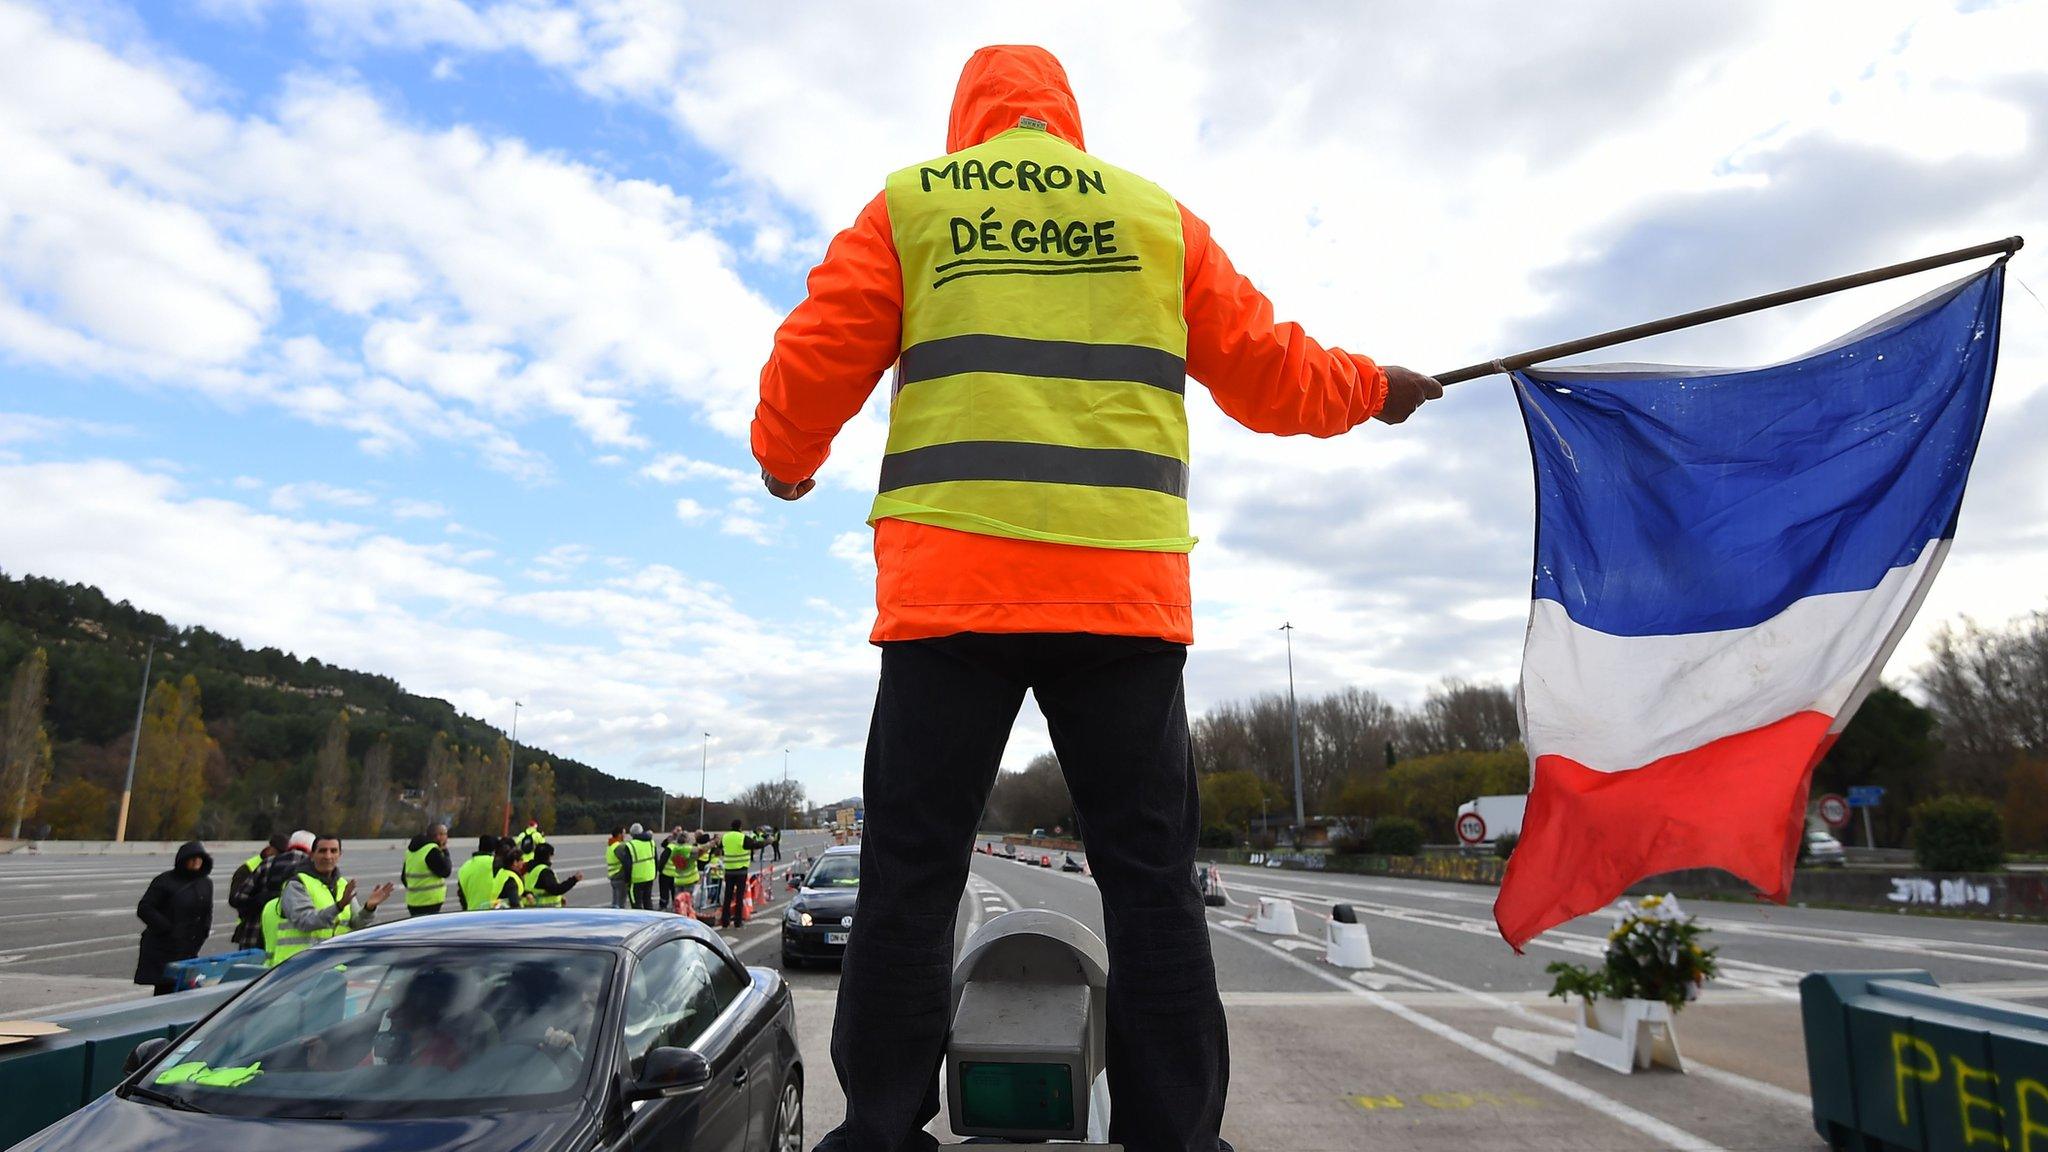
200	971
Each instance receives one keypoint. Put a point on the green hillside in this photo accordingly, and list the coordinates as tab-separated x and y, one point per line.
279	741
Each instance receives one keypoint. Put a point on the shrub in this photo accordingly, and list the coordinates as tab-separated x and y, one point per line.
1394	836
1504	844
1349	844
1958	834
1218	836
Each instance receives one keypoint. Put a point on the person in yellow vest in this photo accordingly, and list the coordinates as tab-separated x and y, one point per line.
320	904
529	839
477	883
618	869
736	851
680	868
544	889
714	874
241	894
1044	310
637	853
425	872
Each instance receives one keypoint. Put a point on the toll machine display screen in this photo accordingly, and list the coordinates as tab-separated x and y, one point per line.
1017	1097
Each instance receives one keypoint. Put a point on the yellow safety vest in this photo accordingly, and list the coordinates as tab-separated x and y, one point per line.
643	860
283	939
1039	394
478	879
612	867
734	848
423	889
535	898
682	863
518	888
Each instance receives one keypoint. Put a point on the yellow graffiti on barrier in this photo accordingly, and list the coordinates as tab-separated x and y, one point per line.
1929	1074
1976	1096
1966	1101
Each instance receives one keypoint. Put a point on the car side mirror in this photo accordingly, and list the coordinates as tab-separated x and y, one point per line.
143	1053
669	1072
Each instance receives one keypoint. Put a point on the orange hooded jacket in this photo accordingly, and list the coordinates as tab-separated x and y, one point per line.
934	581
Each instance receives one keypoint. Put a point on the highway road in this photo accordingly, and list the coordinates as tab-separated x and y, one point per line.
1447	1043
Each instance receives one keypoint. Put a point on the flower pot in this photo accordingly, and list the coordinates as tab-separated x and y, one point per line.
1624	1035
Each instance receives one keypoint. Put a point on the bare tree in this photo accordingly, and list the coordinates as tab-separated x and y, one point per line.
24	746
325	807
373	791
1989	689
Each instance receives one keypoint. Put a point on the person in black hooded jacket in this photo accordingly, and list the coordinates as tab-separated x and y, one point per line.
176	915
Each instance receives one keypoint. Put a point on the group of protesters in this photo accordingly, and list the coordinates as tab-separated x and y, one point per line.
690	870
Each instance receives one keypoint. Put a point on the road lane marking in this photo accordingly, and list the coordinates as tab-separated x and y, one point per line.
1667	1134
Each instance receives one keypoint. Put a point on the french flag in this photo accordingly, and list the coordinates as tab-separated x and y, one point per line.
1724	561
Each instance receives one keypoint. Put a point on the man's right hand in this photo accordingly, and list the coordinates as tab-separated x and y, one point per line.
1406	390
781	491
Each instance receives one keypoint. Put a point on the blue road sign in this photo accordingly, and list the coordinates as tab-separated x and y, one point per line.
1866	795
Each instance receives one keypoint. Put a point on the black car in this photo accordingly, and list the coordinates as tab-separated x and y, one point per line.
819	919
535	1031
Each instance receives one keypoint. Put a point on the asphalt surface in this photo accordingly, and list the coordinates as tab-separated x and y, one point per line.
1448	1042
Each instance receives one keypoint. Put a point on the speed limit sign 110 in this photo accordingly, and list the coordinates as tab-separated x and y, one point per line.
1471	827
1834	810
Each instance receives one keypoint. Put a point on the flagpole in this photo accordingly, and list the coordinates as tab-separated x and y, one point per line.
1520	360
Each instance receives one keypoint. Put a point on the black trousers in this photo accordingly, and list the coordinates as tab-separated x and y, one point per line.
732	910
422	910
643	895
1118	721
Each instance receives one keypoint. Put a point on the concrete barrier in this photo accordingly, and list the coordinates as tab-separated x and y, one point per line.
1345	941
1896	1062
1275	917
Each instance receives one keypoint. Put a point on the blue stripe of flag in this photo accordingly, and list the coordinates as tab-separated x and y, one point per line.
1693	502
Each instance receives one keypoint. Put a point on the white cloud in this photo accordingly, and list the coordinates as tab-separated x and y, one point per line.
689	511
743	519
856	549
674	468
411	508
24	428
296	497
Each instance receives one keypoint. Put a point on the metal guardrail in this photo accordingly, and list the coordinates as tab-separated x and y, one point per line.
1895	1062
49	1078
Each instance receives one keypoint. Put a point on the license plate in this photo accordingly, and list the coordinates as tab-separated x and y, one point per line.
835	937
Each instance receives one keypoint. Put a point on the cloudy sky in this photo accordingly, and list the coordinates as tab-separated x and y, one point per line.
421	335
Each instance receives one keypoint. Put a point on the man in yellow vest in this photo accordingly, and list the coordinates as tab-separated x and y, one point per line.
320	904
543	888
478	883
636	852
425	872
736	850
1044	311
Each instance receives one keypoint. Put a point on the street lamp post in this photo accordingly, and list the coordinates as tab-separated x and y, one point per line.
128	789
511	766
1294	735
788	801
703	776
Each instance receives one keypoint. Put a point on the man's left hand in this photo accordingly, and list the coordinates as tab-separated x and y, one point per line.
781	491
378	895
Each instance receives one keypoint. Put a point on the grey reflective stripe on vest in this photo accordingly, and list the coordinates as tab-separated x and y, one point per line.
1060	359
1035	463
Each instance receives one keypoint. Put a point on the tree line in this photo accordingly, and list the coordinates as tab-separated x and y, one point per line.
1982	733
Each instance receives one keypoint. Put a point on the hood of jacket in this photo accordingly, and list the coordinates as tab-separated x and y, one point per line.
1004	83
188	850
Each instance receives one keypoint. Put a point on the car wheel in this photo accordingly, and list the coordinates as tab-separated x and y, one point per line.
789	1118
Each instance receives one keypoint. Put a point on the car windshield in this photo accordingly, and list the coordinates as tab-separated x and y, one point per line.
369	1033
835	872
